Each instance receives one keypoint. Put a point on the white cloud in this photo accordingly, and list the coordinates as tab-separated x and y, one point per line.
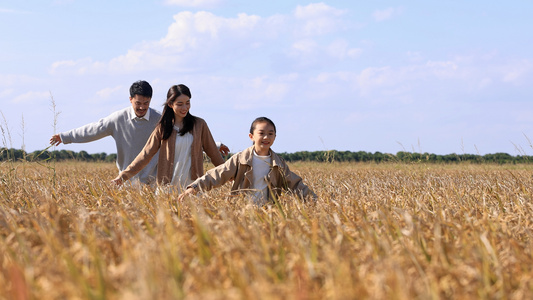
385	14
7	10
243	93
203	41
516	72
425	83
108	92
375	77
261	92
354	52
192	31
6	93
193	42
317	10
310	53
13	84
133	60
443	69
76	67
194	3
32	97
340	49
303	47
318	19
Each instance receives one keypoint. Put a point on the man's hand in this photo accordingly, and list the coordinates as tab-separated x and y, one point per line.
224	150
55	140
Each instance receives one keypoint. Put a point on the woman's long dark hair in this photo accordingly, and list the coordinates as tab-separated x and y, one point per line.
167	117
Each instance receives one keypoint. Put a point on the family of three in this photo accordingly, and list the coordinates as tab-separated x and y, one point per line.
167	149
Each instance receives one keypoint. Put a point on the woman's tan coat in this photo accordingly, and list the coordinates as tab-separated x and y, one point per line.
202	142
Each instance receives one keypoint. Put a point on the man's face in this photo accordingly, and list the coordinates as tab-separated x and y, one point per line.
140	105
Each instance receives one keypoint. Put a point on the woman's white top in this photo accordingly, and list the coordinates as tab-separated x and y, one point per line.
182	160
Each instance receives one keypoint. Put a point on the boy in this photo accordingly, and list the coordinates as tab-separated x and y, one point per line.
257	171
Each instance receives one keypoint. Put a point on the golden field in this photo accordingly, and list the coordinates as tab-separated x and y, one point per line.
378	231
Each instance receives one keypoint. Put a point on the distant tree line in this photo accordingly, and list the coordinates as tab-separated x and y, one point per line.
402	156
42	155
318	156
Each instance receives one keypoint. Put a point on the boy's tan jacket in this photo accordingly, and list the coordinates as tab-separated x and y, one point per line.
239	169
202	142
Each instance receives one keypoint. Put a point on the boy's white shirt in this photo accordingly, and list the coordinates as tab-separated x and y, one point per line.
260	169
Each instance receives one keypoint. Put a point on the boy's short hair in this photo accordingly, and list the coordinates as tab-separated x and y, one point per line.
260	120
141	88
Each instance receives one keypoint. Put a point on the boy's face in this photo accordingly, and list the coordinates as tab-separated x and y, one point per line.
263	137
140	105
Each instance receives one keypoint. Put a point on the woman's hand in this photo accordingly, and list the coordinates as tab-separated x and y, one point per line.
118	180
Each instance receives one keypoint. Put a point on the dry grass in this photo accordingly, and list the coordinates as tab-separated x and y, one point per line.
387	231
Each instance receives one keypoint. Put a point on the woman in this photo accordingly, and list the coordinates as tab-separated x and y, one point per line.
181	139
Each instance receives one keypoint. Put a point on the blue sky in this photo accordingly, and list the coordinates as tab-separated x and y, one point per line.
424	76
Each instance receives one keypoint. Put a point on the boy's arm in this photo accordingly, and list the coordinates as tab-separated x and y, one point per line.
296	185
188	191
213	178
217	176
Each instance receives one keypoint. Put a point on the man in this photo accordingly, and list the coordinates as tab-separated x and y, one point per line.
130	128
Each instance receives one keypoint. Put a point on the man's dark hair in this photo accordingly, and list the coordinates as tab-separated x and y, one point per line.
141	88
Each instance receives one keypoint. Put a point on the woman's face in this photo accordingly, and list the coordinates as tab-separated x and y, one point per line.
181	107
